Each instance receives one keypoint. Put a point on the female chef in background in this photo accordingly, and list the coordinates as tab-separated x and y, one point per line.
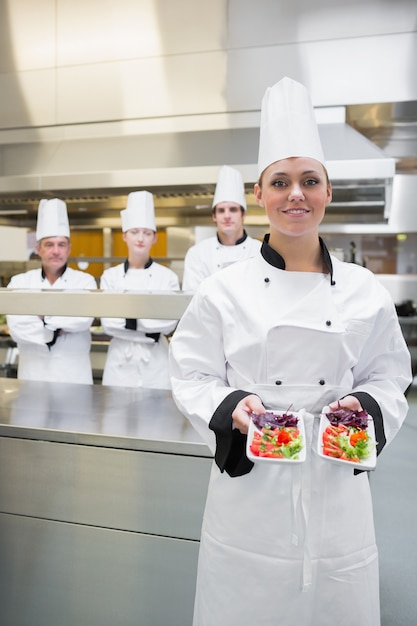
138	351
291	327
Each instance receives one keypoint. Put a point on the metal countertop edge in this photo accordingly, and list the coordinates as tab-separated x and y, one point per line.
103	440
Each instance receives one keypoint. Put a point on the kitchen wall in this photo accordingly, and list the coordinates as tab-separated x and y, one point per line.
73	68
89	61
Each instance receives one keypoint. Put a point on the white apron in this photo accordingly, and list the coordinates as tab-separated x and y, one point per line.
68	360
286	545
134	359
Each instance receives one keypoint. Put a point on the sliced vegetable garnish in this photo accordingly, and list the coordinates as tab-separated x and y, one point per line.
274	420
357	419
347	443
276	442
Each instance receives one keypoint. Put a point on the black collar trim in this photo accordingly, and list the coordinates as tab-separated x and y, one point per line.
327	261
63	270
147	264
240	240
273	257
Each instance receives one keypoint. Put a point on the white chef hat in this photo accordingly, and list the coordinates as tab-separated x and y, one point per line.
288	125
52	219
229	187
139	211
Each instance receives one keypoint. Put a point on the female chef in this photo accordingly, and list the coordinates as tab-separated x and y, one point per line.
138	351
292	327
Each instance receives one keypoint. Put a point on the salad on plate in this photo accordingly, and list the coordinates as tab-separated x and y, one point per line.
276	436
347	436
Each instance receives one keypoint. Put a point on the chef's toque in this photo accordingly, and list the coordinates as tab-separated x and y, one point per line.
139	211
288	125
230	187
52	219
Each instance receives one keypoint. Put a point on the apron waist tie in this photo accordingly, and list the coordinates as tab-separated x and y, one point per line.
300	505
295	498
307	576
300	514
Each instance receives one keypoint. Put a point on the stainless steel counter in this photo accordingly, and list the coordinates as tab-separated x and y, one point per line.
108	417
102	492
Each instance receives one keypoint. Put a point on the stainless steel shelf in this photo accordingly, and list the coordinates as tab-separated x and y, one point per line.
161	305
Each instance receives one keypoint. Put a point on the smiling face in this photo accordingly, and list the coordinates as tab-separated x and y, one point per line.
294	193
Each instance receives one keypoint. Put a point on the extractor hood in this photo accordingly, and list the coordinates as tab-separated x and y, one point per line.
94	173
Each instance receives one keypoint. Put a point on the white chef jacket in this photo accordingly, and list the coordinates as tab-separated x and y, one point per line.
68	359
133	358
288	544
209	256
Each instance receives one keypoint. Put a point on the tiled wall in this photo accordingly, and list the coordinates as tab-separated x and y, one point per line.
88	61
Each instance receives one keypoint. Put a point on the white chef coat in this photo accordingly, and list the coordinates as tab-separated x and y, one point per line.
209	256
134	359
68	359
288	544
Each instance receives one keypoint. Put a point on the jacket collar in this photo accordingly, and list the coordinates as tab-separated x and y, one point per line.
273	257
147	264
63	270
238	241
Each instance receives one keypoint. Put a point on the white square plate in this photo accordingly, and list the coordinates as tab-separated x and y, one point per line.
301	456
366	464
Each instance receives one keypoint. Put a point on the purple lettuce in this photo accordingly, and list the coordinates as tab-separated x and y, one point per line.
274	420
357	419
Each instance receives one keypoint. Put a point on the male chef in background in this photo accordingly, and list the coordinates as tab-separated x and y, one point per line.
231	242
53	348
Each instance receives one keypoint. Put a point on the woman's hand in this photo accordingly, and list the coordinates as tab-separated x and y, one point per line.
242	411
349	402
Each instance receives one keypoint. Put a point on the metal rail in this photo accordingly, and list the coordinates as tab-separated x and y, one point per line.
129	304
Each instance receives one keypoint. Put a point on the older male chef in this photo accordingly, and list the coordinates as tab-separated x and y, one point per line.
53	348
138	351
231	242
